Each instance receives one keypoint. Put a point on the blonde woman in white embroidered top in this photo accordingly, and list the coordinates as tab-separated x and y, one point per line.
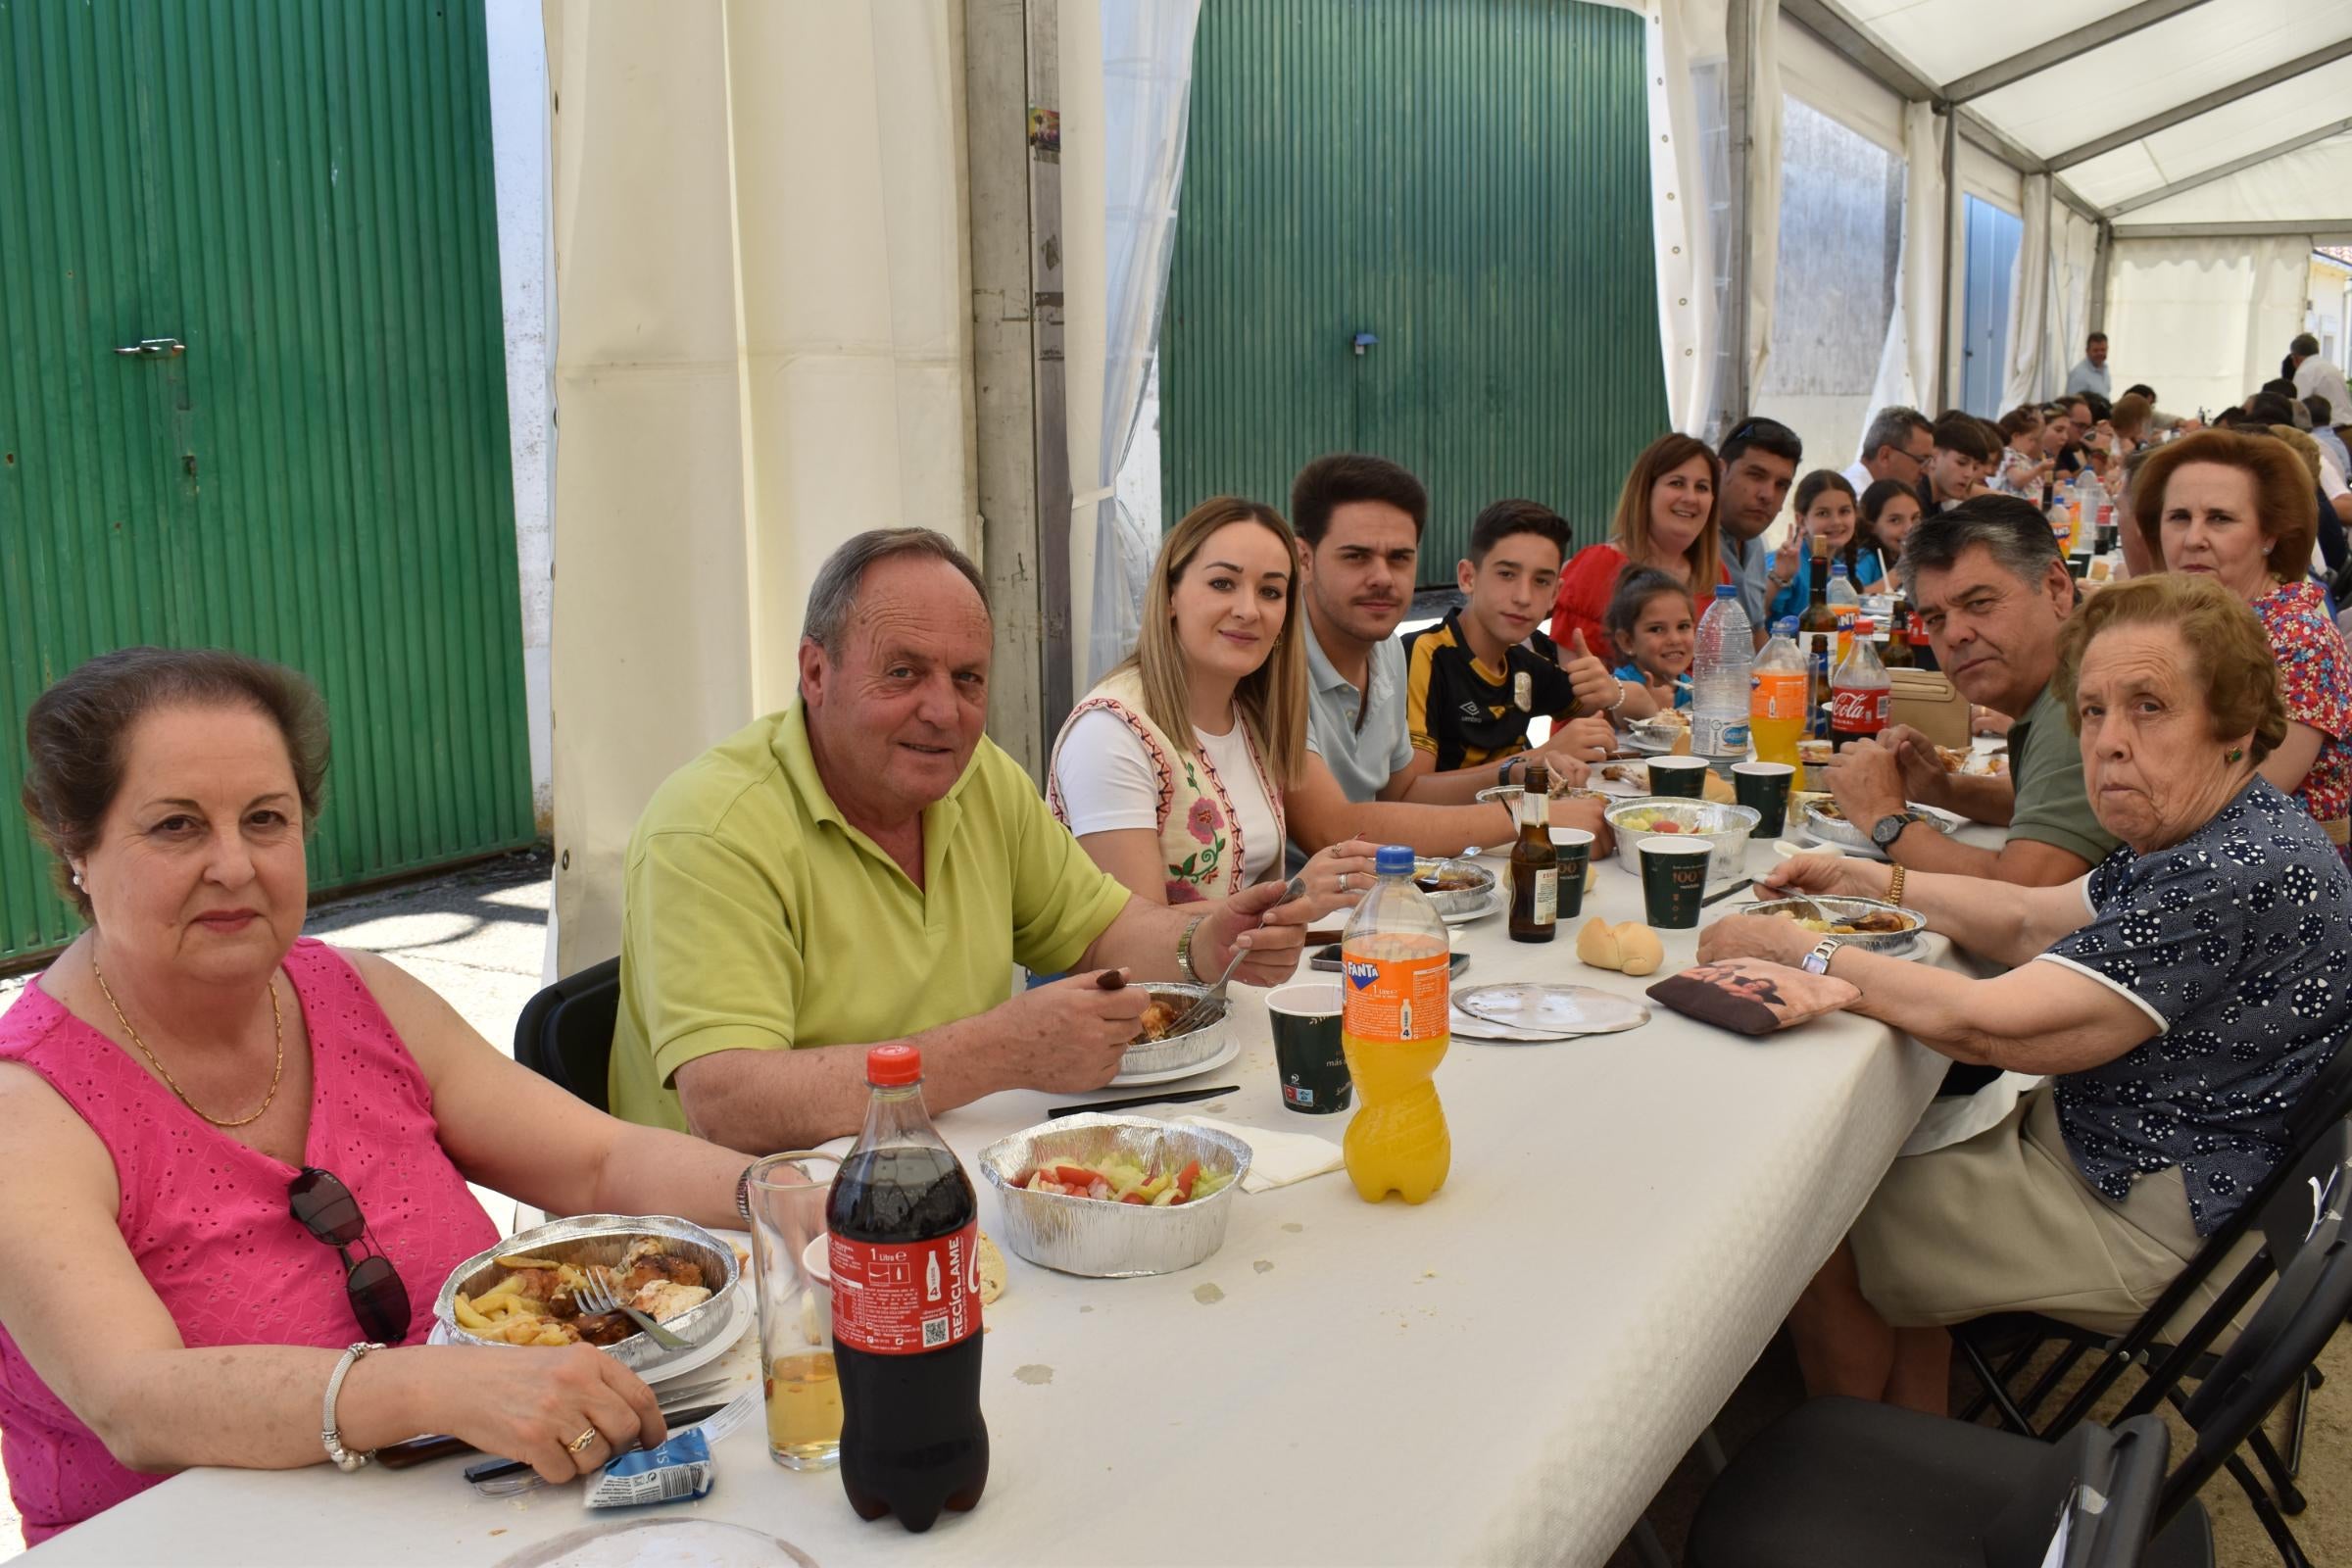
1172	769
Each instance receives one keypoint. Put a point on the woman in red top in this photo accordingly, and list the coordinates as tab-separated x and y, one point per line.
1666	518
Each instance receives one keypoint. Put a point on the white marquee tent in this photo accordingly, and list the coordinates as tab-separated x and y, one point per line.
2173	161
965	347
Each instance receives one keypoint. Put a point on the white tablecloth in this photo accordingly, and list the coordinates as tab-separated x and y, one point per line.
1504	1373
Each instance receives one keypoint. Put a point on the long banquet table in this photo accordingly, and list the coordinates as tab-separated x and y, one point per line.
1505	1373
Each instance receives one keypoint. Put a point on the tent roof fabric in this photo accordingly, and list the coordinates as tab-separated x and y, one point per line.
2270	140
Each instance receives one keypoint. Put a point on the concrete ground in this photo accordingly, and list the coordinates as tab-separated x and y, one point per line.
479	937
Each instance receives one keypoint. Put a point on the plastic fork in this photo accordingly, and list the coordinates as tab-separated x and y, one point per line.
595	1292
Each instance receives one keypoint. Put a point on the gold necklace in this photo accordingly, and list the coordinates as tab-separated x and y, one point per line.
277	1023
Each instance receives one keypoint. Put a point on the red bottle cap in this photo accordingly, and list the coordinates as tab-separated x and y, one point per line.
893	1066
1864	628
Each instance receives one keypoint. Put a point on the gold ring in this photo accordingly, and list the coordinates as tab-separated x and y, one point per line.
581	1441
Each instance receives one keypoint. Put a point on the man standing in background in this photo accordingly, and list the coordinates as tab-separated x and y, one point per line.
2316	377
2090	374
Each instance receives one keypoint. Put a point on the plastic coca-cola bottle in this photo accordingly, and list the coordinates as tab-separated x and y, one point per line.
906	1234
1858	692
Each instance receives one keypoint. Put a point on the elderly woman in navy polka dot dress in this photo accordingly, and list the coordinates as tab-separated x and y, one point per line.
2182	999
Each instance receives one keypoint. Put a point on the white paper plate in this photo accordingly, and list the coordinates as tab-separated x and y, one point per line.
646	1542
744	1310
1468	1026
1496	902
1168	1075
1536	1007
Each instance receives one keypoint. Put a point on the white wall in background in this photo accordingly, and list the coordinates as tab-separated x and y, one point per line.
518	48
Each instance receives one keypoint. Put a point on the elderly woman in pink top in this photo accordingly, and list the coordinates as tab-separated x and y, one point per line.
233	1160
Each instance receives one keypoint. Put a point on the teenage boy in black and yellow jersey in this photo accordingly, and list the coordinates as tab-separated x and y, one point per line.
1476	679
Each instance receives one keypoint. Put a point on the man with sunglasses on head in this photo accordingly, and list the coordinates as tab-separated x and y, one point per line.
234	1162
1759	458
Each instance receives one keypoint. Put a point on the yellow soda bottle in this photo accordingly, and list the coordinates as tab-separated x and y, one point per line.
1396	964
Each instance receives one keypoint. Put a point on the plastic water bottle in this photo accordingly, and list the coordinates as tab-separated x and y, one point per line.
1394	1025
2096	517
1719	685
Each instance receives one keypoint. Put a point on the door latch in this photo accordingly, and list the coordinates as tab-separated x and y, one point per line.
154	348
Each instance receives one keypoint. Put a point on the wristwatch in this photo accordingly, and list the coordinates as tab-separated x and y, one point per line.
1817	961
1887	829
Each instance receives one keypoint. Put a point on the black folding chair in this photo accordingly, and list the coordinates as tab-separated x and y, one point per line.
565	1032
2018	1336
1841	1481
1850	1483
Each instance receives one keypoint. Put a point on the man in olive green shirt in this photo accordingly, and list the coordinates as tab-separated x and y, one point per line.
866	866
1995	595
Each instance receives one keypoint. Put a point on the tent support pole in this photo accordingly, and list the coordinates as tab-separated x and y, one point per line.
1739	93
1003	325
2101	258
1951	204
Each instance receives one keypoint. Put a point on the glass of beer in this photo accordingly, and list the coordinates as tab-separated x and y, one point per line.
787	1194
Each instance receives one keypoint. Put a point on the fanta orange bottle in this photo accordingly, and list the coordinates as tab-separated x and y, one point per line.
1394	1027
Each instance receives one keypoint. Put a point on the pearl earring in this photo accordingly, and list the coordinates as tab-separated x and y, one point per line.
78	879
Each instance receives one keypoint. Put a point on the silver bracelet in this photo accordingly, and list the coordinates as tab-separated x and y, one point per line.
1619	703
344	1459
1184	949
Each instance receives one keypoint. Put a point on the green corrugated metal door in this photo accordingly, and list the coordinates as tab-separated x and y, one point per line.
1467	183
300	191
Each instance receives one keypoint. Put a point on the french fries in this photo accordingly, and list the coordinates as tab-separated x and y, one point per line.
518	1310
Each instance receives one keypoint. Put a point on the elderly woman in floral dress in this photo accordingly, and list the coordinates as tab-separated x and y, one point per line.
2240	510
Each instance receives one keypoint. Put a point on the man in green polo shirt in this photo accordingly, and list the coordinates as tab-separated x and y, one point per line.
1994	593
867	867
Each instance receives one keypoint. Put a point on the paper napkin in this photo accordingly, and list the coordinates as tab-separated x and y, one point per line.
1277	1160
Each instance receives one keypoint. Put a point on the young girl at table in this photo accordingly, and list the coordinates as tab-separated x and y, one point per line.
1825	511
1890	509
1651	618
1171	771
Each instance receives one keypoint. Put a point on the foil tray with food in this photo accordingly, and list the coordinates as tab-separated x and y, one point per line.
521	1292
1455	887
1825	822
1726	827
1061	1224
1507	794
1870	924
1156	1049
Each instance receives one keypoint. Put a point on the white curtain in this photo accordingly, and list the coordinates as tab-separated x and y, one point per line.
1128	156
1907	366
1682	233
758	217
2032	293
2205	320
2073	258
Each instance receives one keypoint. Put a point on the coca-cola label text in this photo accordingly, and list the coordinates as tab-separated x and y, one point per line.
907	1297
1858	709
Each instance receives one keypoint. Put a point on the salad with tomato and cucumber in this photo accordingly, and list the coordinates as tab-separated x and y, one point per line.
1120	1180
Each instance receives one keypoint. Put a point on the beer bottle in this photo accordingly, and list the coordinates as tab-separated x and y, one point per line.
1820	614
1535	863
1897	653
1817	686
